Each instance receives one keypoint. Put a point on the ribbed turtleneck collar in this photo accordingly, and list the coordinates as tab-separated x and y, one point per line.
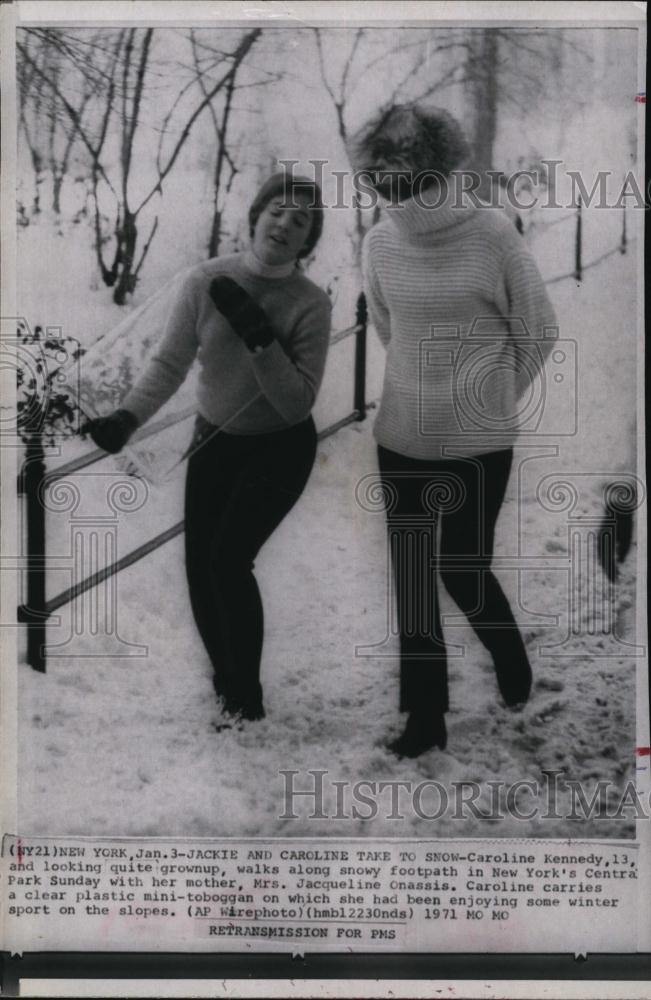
430	212
257	266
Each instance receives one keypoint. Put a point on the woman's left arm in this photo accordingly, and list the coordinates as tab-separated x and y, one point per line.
528	301
290	377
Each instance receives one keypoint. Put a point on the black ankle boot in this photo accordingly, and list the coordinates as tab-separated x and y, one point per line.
252	712
421	733
249	711
235	715
514	683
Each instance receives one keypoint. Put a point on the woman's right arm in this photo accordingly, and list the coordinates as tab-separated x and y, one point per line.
528	303
169	366
378	311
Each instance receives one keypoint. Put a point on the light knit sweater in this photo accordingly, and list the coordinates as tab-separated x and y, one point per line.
445	288
253	393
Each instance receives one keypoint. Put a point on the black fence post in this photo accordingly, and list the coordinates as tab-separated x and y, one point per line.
33	613
361	319
578	267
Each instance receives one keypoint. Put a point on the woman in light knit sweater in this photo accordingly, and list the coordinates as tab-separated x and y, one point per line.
450	285
260	330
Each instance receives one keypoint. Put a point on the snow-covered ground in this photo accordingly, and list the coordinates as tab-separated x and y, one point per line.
126	745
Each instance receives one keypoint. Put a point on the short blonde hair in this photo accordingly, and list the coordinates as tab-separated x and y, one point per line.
409	138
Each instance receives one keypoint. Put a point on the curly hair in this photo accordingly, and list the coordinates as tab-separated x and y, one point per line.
287	185
411	139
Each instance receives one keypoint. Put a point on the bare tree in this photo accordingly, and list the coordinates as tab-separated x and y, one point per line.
62	136
482	82
118	70
30	111
339	90
420	65
510	67
206	60
50	123
491	67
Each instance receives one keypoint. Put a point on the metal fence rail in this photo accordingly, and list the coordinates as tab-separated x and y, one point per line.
579	266
97	454
35	612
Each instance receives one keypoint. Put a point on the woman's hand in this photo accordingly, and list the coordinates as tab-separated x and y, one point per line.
111	433
245	316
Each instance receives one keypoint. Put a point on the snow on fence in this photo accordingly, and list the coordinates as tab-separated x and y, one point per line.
34	480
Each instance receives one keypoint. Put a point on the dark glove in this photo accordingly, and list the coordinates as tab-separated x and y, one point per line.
245	316
111	433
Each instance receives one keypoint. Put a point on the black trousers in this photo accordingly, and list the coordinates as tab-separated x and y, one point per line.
464	496
238	490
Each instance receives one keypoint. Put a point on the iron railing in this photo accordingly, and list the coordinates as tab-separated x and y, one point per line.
35	479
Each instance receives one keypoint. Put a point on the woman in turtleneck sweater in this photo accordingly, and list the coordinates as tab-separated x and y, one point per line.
259	329
448	282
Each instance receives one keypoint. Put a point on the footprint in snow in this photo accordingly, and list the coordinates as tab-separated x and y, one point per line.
472	724
545	712
530	740
550	684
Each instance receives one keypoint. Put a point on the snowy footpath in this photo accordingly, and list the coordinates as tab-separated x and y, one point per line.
127	745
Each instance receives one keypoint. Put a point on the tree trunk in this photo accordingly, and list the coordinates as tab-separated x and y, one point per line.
484	89
57	181
127	236
223	160
215	234
36	204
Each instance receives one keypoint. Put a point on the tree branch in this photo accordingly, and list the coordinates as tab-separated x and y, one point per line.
72	113
243	48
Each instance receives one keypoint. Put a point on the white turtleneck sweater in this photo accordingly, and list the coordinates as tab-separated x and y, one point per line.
254	393
459	304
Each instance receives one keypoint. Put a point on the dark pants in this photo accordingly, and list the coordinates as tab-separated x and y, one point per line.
465	496
238	490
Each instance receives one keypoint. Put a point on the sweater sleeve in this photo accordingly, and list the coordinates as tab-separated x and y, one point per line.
290	376
173	358
533	321
378	311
